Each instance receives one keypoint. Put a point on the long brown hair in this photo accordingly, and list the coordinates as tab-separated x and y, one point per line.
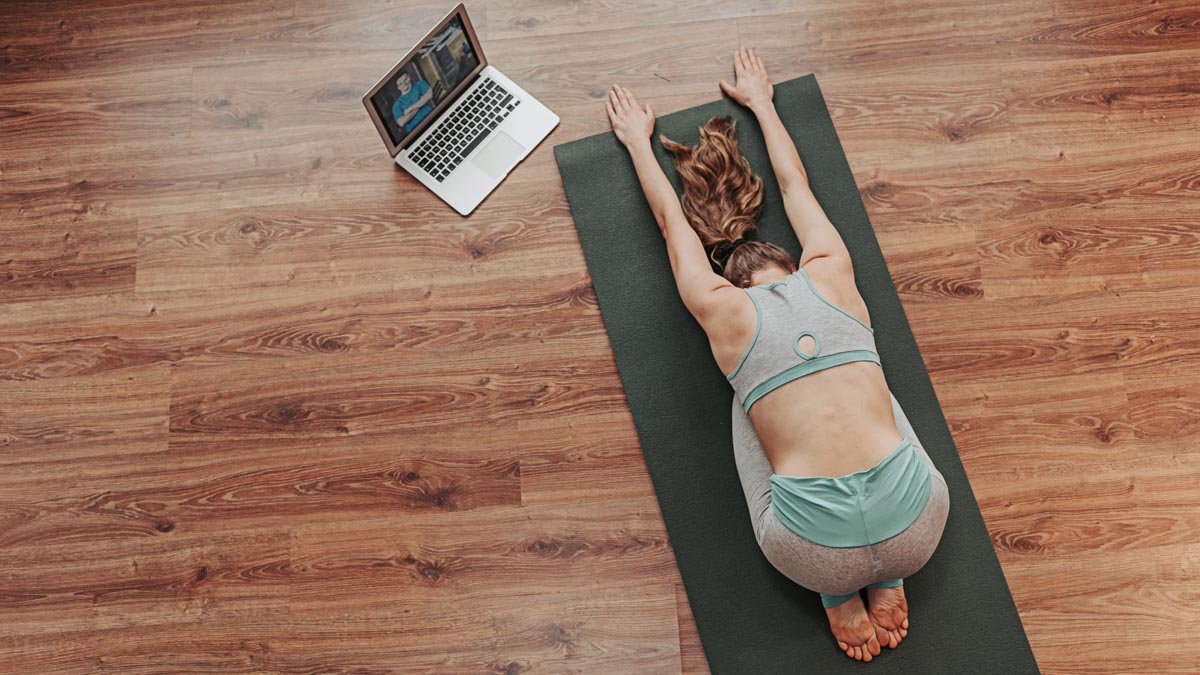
722	199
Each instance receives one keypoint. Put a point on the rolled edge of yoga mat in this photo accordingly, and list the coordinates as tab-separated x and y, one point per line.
750	617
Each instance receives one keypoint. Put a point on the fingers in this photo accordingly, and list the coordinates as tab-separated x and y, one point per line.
614	98
747	60
621	102
757	61
622	99
727	88
618	99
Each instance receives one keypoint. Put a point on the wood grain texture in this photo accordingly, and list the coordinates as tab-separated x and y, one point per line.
266	405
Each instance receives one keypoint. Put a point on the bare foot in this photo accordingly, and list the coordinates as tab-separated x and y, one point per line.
889	613
853	629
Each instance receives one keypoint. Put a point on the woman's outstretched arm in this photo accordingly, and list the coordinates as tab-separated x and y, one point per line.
697	283
818	237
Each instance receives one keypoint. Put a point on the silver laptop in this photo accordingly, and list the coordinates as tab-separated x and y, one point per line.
452	120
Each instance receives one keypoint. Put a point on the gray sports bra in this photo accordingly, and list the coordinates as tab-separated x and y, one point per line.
788	310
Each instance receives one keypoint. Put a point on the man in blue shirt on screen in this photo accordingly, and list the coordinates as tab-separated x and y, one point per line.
415	102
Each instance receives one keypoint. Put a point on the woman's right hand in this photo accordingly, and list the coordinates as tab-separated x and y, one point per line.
753	88
631	123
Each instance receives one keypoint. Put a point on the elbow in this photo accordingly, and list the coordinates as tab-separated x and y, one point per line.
792	178
665	215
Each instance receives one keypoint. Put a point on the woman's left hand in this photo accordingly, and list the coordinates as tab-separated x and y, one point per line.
631	124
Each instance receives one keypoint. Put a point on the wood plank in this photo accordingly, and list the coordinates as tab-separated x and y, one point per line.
429	559
62	41
67	258
103	417
533	18
451	317
1154	594
105	115
567	460
631	630
259	245
323	397
634	57
1101	332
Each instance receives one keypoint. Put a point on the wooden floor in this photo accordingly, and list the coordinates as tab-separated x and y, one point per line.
266	405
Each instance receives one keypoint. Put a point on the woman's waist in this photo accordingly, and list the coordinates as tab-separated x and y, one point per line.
830	452
817	432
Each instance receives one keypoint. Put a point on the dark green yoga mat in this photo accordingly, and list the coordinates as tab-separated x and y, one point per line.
751	618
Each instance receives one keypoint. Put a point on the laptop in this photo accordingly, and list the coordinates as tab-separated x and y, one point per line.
451	119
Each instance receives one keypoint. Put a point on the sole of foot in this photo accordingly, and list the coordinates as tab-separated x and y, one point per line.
853	629
888	609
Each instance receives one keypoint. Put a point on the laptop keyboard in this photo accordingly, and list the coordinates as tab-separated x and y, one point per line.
463	130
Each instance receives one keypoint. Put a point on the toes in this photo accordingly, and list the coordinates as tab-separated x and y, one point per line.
905	624
903	632
845	647
886	637
873	648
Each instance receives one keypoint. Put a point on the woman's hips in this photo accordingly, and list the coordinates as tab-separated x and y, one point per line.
840	570
859	508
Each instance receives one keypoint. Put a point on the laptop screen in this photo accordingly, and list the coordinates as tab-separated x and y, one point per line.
408	100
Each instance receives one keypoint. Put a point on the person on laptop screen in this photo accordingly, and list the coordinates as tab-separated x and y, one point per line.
432	72
414	103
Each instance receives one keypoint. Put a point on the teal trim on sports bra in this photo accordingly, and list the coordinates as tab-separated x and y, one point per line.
807	368
858	509
826	301
757	328
782	282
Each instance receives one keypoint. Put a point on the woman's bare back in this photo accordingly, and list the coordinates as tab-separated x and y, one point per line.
829	423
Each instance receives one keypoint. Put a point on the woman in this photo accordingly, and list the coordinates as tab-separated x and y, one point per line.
841	493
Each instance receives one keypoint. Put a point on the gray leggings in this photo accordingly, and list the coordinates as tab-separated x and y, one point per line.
824	569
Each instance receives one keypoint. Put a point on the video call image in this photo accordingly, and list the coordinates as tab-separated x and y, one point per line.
417	88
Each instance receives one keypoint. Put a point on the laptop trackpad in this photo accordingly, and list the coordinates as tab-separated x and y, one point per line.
499	155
